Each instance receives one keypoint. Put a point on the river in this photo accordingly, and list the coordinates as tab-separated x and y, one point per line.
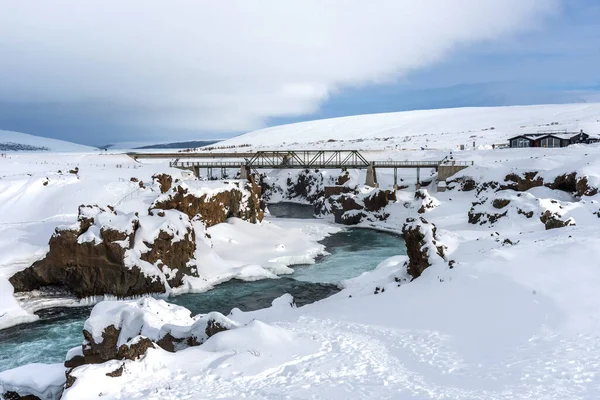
352	251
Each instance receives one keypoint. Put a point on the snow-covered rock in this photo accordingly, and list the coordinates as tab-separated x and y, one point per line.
43	381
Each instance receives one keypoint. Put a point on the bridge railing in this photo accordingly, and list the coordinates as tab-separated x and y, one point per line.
316	164
206	164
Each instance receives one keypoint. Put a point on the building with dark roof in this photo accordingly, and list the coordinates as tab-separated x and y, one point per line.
552	139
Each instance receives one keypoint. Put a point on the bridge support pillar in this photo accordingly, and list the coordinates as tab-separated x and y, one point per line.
371	176
245	172
196	171
446	171
418	185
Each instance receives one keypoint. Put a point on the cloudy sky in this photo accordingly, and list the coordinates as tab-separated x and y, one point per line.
103	71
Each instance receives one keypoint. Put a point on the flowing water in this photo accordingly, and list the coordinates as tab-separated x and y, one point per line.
352	252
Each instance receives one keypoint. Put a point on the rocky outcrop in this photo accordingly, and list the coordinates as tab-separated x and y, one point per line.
500	203
238	201
463	183
422	246
521	183
90	259
570	183
553	220
353	208
307	185
164	180
142	325
483	218
175	254
425	202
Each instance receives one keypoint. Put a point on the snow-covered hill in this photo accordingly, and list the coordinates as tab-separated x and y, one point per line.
441	129
17	141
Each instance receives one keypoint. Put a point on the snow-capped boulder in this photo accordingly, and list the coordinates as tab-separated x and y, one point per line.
425	201
164	181
33	382
355	207
236	199
306	186
423	246
118	330
121	254
536	208
574	183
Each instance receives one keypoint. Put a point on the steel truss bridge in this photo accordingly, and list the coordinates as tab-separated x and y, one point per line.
310	159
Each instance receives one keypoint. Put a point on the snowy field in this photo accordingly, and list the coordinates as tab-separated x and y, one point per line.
515	316
444	129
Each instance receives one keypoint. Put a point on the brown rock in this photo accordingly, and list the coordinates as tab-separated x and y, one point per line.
86	269
343	178
522	183
135	350
165	181
217	208
117	372
213	327
379	199
553	221
175	254
500	203
417	248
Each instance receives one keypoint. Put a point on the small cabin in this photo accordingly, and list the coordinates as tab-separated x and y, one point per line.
552	139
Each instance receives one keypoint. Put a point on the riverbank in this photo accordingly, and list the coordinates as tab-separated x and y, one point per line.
345	254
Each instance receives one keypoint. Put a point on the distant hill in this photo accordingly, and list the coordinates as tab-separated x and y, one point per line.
425	129
17	141
180	145
154	145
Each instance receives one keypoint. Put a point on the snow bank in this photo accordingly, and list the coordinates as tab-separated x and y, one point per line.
11	312
45	381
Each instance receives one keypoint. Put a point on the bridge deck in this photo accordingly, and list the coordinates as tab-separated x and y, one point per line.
292	165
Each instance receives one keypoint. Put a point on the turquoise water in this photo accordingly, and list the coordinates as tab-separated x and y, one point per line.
352	252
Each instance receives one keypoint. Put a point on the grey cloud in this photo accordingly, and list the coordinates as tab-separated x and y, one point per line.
224	66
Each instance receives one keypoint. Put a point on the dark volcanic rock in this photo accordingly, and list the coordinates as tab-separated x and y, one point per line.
164	180
217	208
553	221
213	327
95	269
17	396
422	243
351	209
522	183
379	199
308	185
175	254
500	203
117	372
85	269
136	350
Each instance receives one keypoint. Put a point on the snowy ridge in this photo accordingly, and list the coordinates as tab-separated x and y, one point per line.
38	143
435	129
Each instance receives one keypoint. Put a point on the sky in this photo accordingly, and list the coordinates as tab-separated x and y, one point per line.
100	72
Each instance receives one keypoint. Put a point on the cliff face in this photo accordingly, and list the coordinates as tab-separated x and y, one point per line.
422	246
94	258
114	253
242	201
353	207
